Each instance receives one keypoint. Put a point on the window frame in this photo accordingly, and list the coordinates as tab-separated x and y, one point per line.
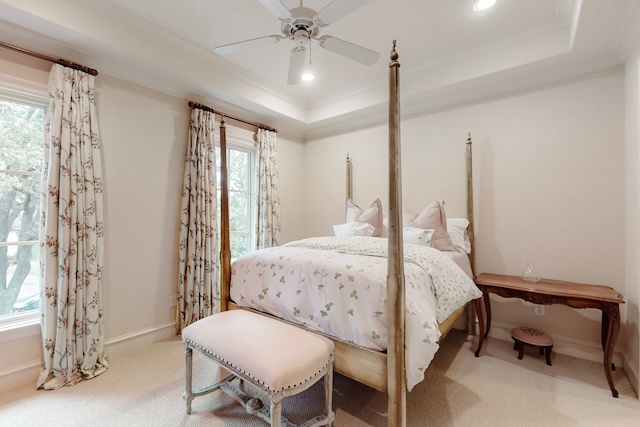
235	142
39	99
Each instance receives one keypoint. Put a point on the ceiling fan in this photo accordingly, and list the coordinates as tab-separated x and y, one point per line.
301	25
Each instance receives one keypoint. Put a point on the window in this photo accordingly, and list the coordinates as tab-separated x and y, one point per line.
241	171
21	153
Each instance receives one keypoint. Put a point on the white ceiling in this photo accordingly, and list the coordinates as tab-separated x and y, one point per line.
449	54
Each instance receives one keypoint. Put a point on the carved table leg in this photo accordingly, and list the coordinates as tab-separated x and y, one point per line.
487	307
478	305
610	329
604	335
471	320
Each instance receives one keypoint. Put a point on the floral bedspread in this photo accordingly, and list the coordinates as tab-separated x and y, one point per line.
337	285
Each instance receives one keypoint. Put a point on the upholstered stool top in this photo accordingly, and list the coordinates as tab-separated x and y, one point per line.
532	336
275	354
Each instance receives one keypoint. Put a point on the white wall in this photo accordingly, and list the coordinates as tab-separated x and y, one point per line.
632	217
144	141
144	136
292	187
549	184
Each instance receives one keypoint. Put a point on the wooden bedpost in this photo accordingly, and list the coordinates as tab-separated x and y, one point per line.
225	244
349	180
396	376
470	229
471	312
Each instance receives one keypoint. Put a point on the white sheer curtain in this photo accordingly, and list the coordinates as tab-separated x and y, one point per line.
198	253
71	233
268	203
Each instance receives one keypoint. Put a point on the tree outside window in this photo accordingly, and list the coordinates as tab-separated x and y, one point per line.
21	151
240	169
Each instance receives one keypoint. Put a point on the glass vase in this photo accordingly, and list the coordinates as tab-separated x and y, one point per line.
529	274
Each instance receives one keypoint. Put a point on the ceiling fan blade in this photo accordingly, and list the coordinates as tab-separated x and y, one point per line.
260	41
276	8
349	50
296	64
338	9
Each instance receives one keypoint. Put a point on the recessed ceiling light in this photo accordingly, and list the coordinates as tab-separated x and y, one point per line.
307	77
483	5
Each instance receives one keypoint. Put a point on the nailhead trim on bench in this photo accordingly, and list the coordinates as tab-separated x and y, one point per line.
238	370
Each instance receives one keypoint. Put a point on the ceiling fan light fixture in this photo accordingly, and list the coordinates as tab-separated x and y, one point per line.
308	76
481	5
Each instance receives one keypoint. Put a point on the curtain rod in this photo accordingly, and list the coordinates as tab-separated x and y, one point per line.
205	108
60	61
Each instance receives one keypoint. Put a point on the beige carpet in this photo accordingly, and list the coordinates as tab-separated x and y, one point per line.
144	388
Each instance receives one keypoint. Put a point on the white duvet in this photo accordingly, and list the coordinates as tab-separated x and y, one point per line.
337	285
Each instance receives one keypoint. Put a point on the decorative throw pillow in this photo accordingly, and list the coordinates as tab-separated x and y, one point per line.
355	228
373	215
432	217
417	236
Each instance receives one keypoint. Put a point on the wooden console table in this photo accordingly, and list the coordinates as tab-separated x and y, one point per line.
575	295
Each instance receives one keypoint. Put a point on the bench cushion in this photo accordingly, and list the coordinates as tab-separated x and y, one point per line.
275	354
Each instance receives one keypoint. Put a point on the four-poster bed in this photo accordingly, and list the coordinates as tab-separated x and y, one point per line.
382	370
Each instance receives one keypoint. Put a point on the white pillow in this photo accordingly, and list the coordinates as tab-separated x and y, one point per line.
457	228
353	229
417	236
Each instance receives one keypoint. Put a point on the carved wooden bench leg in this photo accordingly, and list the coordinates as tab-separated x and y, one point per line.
276	414
188	375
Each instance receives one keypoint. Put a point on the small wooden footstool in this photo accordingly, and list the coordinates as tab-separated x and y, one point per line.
277	358
528	336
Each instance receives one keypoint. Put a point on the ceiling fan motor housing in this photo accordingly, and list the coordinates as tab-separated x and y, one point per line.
301	27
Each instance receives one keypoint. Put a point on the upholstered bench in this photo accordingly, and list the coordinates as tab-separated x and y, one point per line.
277	358
528	336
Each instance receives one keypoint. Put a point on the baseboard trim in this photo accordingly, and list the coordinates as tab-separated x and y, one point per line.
139	338
632	374
19	368
20	375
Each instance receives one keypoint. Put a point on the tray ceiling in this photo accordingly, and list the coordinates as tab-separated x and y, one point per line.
449	54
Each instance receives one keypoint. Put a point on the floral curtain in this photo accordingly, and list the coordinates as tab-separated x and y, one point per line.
71	233
268	203
198	252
